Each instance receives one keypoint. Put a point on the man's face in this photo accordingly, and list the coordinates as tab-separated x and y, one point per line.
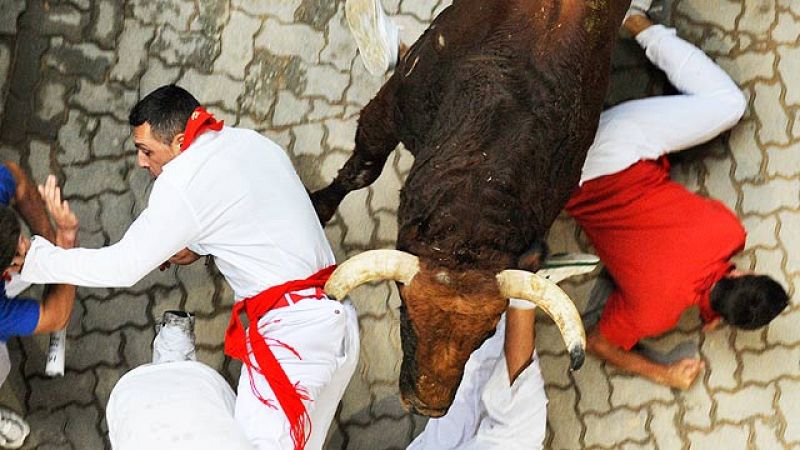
151	153
23	244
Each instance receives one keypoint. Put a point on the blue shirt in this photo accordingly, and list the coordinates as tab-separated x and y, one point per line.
18	317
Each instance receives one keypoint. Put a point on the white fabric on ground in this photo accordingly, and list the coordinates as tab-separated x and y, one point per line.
487	413
183	405
649	128
187	405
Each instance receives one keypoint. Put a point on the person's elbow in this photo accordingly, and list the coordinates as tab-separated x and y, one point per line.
735	104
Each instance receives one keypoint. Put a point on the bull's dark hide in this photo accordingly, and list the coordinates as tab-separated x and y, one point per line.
498	101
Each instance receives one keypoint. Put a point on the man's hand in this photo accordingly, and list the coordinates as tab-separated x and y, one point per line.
65	220
681	374
182	258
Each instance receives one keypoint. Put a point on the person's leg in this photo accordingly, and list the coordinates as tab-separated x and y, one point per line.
317	331
13	428
376	36
710	104
461	422
328	401
513	417
175	338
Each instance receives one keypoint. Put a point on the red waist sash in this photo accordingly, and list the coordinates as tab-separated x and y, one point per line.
290	396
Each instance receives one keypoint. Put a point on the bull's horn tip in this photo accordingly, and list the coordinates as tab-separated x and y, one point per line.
577	355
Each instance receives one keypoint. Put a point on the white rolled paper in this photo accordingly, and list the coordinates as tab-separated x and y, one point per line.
55	354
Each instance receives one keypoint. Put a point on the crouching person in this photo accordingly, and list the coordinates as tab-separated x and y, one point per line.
176	402
23	316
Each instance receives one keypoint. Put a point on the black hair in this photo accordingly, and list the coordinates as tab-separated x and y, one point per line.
167	109
748	301
9	236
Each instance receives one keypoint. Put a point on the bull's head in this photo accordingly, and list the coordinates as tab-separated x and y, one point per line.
446	316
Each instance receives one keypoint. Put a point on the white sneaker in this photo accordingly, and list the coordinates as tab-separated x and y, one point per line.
638	8
376	36
175	338
13	429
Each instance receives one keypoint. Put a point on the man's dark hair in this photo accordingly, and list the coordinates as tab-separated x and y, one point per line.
9	236
748	301
167	109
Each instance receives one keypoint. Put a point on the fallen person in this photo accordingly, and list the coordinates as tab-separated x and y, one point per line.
175	403
233	194
23	316
667	249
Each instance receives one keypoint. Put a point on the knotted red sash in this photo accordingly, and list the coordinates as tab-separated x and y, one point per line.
199	122
289	396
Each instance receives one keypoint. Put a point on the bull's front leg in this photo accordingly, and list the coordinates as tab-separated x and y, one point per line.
376	137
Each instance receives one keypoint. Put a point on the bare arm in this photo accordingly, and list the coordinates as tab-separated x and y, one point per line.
376	137
680	374
29	203
59	299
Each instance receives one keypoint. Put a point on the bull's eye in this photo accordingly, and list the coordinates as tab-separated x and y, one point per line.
443	277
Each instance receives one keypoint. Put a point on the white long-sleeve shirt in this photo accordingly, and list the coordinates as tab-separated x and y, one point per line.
233	194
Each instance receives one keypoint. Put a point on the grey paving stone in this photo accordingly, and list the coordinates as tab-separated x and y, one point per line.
615	427
282	9
75	137
193	49
747	402
54	393
726	436
99	176
64	20
664	426
85	59
110	137
104	98
116	312
177	13
237	45
39	160
133	44
11	11
50	101
290	40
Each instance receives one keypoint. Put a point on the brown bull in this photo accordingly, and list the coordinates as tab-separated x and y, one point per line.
498	101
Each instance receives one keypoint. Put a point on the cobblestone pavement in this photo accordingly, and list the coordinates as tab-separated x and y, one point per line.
71	70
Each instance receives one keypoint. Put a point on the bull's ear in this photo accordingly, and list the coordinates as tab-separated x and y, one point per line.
533	258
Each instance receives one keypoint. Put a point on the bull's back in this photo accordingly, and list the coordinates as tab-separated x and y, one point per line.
499	101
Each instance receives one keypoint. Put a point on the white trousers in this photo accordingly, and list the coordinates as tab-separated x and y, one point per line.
325	334
648	128
487	413
154	403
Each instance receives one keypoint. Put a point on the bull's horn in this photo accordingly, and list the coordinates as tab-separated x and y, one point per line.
546	295
373	265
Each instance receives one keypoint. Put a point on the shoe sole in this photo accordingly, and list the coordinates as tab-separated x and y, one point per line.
26	430
362	17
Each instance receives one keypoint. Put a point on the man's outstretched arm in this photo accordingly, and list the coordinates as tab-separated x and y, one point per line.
680	374
165	227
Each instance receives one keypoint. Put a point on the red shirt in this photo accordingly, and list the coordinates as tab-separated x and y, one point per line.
664	246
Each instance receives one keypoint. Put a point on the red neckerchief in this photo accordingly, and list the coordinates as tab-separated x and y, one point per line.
199	122
289	396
